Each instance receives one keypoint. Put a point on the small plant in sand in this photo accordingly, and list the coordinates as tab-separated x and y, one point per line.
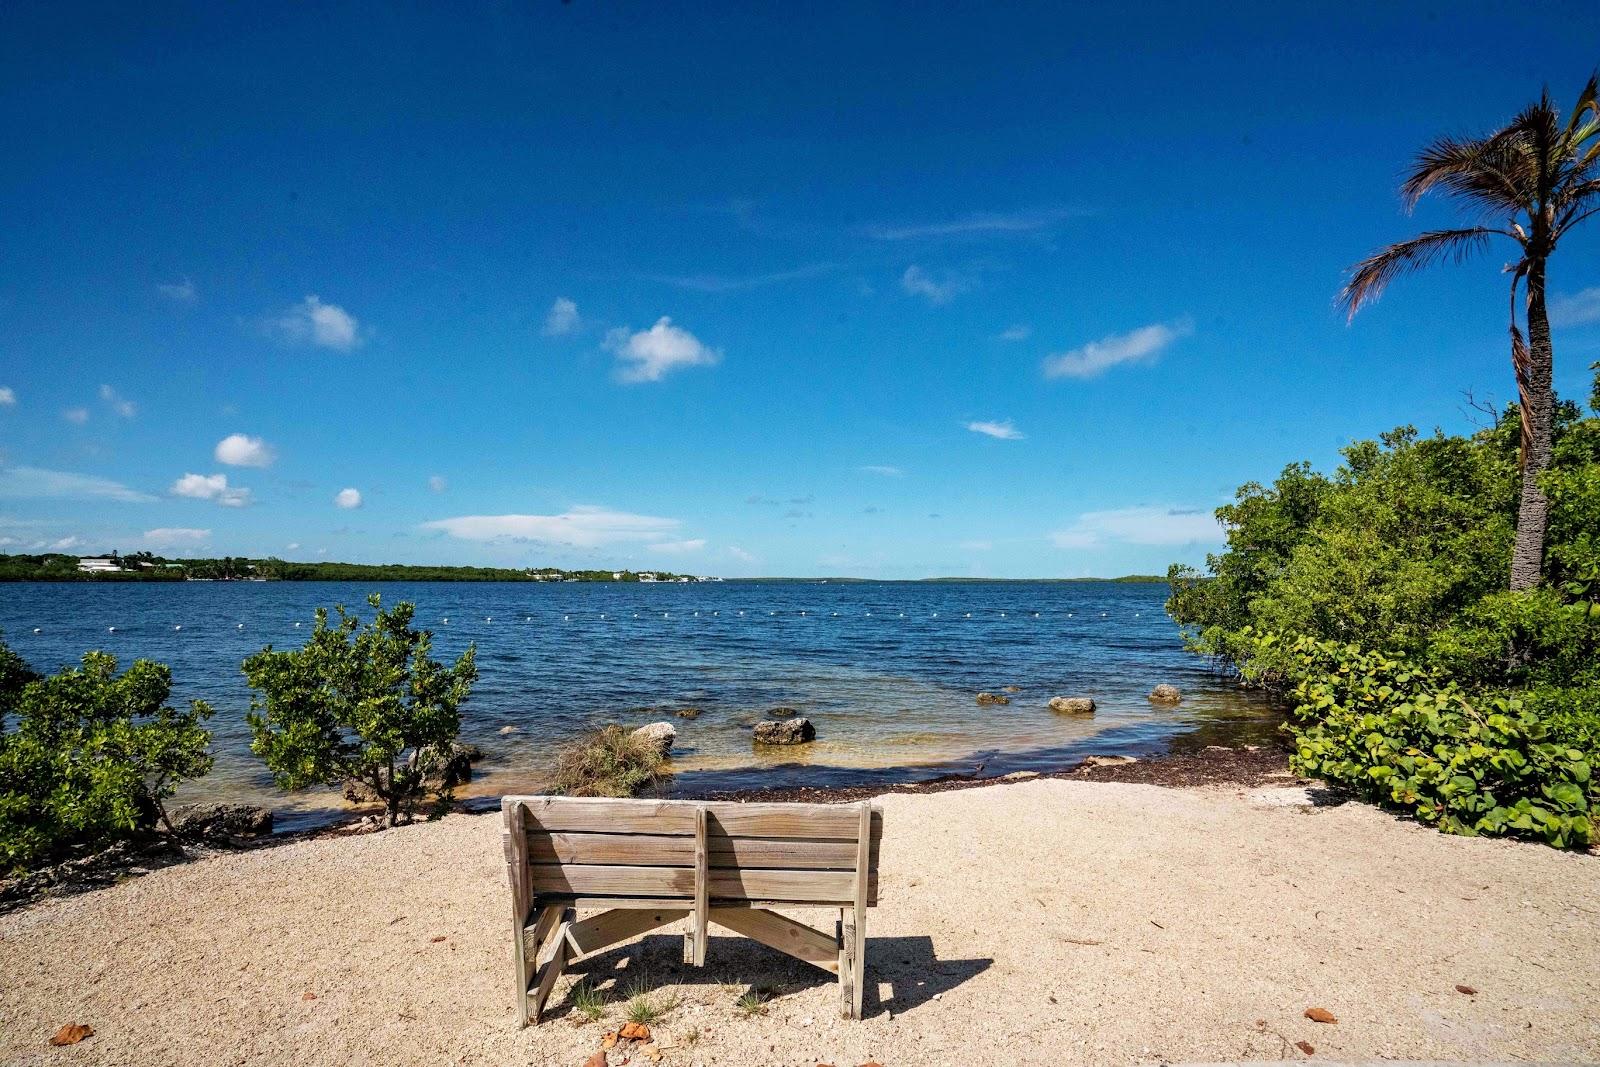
753	1002
588	1001
646	1005
607	762
364	703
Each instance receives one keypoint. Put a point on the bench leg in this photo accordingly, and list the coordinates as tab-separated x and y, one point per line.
550	970
847	970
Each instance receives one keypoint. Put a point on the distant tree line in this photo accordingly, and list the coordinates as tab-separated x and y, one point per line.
145	566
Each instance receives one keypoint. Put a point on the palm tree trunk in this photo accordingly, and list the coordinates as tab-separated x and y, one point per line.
1533	510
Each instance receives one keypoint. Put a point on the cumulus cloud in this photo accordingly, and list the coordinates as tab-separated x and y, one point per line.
212	487
1576	309
649	355
1001	429
437	483
311	322
1141	526
36	482
883	469
584	526
347	498
694	544
76	416
8	397
918	282
182	292
562	318
1143	345
1020	332
242	450
171	536
67	544
740	554
118	403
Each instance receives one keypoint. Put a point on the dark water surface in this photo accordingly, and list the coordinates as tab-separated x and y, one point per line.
887	671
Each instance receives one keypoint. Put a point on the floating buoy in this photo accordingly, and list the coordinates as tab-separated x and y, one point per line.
1069	614
636	614
111	629
869	614
241	626
1002	614
36	629
488	618
1102	614
741	614
936	614
178	627
566	618
1036	614
716	613
446	621
602	615
297	625
697	614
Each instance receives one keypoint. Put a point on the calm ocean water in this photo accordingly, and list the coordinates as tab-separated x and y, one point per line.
887	671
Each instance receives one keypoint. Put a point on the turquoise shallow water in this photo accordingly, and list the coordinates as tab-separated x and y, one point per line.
888	671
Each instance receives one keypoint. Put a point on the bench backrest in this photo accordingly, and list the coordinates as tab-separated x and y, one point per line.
798	854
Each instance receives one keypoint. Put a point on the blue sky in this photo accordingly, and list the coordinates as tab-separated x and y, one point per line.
873	290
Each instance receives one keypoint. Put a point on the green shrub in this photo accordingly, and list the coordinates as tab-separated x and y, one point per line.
362	703
1406	737
93	757
607	762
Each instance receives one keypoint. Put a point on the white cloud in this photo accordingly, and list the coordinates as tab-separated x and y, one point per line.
119	404
1576	309
315	323
585	526
883	469
649	355
740	554
1138	346
169	536
78	416
241	450
694	544
986	223
437	483
562	318
182	292
918	282
66	544
1002	429
1020	332
8	397
291	546
1141	526
211	487
35	482
347	498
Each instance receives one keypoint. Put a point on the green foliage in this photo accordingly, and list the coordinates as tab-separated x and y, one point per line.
94	755
143	566
607	762
367	703
1407	737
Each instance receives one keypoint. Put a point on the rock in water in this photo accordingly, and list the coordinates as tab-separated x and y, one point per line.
993	698
218	822
1165	694
1011	689
795	731
1072	705
660	734
688	713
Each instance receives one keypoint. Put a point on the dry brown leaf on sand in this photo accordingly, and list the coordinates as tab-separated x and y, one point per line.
1468	990
1305	1046
608	1039
71	1034
635	1032
650	1052
597	1060
1320	1015
436	940
872	1063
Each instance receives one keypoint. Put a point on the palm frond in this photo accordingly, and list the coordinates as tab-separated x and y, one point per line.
1492	171
1372	275
1588	104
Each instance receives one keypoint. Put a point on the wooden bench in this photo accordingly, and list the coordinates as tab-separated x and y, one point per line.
648	863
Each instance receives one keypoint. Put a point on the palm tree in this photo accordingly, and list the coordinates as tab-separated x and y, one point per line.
1533	180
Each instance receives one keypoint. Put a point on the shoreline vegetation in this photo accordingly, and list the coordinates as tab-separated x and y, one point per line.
147	567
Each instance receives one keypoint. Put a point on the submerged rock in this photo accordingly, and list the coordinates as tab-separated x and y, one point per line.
1108	761
659	734
1165	694
1011	689
1072	705
993	698
795	731
688	713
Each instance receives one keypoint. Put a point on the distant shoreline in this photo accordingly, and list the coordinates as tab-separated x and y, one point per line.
125	578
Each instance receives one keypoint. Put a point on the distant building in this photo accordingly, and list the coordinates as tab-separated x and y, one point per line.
100	564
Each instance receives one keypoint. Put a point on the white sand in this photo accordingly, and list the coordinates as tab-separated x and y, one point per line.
1040	922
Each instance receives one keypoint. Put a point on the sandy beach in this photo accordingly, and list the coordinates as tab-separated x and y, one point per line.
1040	921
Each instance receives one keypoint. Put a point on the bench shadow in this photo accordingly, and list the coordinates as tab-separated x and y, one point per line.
909	966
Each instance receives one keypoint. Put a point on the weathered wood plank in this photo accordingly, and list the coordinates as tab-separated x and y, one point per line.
664	850
514	841
551	969
667	883
617	925
537	934
702	888
676	817
858	962
782	933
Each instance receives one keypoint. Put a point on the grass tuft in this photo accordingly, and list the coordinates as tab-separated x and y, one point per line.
753	1002
607	762
646	1005
589	1001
